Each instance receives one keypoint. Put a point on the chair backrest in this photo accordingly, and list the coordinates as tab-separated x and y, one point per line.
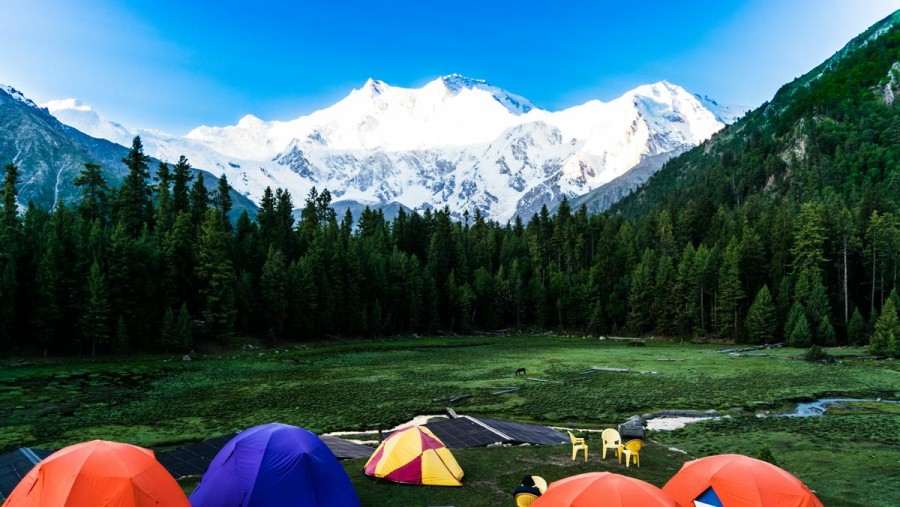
611	437
571	437
525	499
540	483
634	445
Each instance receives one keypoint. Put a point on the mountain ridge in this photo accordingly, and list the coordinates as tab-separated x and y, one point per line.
456	141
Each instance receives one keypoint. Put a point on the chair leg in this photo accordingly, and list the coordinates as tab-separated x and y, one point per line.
574	452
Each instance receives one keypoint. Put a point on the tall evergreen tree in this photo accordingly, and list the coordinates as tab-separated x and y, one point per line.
809	239
181	180
857	330
800	336
640	294
10	217
761	321
217	277
199	202
134	209
165	208
222	198
729	292
887	329
95	319
825	334
9	251
273	293
93	192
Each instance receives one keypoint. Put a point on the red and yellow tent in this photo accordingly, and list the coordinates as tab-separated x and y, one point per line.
733	480
603	489
415	456
98	474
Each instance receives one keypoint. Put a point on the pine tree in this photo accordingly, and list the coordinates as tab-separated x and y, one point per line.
95	319
729	292
217	278
93	192
273	293
793	317
704	273
222	198
800	336
817	305
761	322
199	202
184	338
857	330
686	289
168	330
10	218
664	300
825	334
165	208
179	261
181	179
887	330
9	246
134	207
809	239
640	294
121	342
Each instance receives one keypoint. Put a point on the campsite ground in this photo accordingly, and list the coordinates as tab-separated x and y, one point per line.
849	456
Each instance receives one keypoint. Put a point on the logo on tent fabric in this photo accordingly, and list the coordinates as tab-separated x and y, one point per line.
709	498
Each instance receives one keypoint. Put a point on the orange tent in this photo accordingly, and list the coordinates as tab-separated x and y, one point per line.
603	489
98	474
732	480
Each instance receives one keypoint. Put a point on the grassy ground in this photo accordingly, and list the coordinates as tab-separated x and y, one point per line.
851	455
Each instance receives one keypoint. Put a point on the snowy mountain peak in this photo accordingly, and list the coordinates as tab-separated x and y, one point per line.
516	104
372	88
725	113
455	82
16	94
77	114
249	121
58	105
659	90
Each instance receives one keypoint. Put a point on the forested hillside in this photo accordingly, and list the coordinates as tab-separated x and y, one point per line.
804	192
783	227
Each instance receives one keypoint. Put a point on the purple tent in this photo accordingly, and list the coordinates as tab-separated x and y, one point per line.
274	465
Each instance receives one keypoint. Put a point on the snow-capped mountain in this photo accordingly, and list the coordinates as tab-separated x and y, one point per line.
456	142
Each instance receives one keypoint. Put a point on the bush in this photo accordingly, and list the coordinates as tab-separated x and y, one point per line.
817	354
764	453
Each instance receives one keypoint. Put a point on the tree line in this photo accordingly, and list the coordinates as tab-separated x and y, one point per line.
157	265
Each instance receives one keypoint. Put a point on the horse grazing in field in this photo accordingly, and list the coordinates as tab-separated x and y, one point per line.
520	370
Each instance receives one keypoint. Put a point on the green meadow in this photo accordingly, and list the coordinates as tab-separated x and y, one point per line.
851	456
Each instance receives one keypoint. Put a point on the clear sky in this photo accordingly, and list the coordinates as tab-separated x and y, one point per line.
176	64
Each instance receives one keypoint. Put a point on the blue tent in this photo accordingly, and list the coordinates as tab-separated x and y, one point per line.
274	465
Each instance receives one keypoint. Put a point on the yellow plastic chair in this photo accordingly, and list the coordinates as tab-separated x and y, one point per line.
611	440
631	448
525	499
577	445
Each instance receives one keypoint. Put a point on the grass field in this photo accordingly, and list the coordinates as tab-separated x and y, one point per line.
850	457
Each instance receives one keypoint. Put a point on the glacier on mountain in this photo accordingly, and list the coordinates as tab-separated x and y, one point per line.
456	142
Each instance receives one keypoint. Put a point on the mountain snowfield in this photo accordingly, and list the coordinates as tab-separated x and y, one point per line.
456	142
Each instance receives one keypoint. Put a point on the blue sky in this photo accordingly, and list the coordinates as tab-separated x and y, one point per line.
173	65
